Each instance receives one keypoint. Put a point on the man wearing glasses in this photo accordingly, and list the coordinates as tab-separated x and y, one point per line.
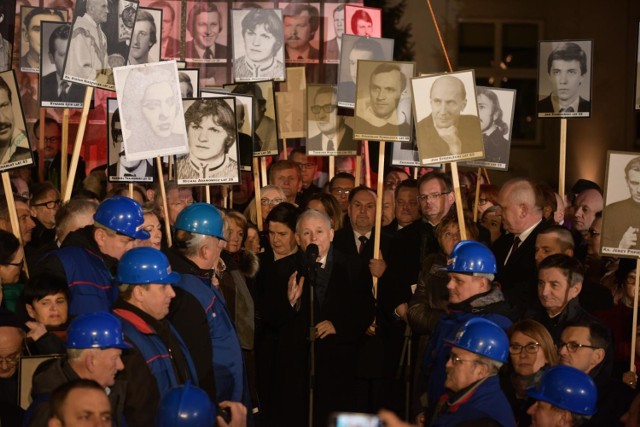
44	206
340	186
308	168
24	218
335	136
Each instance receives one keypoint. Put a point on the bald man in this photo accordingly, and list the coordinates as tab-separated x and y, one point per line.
446	131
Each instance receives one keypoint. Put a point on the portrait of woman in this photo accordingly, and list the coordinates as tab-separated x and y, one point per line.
212	134
151	110
361	23
261	40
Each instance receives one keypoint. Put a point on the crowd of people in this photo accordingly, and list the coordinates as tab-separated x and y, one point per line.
276	313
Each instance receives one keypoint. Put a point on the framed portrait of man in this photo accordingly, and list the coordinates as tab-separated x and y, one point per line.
333	31
637	97
620	219
405	154
189	82
15	149
146	37
7	15
354	49
496	109
383	101
291	114
211	75
296	80
31	19
446	114
301	32
265	137
258	45
54	91
151	110
170	34
244	120
213	143
207	30
121	169
100	40
363	21
564	78
328	134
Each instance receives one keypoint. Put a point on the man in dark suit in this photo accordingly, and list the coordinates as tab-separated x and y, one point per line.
566	65
204	24
332	47
170	46
53	88
520	206
446	131
334	134
301	22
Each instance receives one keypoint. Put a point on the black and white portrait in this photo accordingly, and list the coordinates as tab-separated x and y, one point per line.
383	101
120	169
495	109
258	45
328	133
171	13
291	114
296	80
213	143
244	121
446	114
189	82
100	40
15	150
151	110
405	154
55	92
31	19
333	31
7	12
637	97
265	137
206	32
621	215
301	32
145	40
363	21
564	78
354	49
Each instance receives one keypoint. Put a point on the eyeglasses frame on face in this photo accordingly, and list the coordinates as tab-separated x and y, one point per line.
455	360
273	202
342	191
423	197
307	165
573	346
527	348
19	264
327	108
54	204
12	359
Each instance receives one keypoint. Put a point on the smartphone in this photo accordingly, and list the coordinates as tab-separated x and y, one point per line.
354	419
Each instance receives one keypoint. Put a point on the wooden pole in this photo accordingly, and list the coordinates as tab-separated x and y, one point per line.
634	326
13	215
207	194
78	144
64	149
230	197
165	208
332	167
367	165
460	211
256	192
378	226
225	196
131	190
563	157
358	170
486	176
415	173
41	176
263	171
284	149
475	205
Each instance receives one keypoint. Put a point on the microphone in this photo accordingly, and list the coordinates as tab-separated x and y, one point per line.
312	253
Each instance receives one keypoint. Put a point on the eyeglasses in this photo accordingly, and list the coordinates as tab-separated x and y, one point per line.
434	196
11	360
455	360
573	346
270	202
341	191
51	204
593	232
327	108
52	139
15	264
305	165
531	348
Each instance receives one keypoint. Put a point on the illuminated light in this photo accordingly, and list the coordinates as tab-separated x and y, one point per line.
503	66
509	58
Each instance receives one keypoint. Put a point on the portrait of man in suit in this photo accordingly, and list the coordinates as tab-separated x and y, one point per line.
14	144
446	134
170	45
335	137
567	69
204	24
332	46
145	36
55	92
31	25
301	23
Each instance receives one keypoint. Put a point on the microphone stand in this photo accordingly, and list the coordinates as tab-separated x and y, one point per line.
312	272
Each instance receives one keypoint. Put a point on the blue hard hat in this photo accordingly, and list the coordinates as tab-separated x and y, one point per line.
567	388
201	218
469	256
186	405
144	265
483	337
96	330
122	214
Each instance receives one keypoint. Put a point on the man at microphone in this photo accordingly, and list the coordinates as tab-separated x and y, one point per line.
343	310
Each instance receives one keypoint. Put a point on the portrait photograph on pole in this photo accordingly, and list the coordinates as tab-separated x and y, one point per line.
171	18
621	214
7	19
383	102
189	82
120	169
301	32
564	78
355	48
258	45
15	149
363	21
213	143
405	154
31	19
145	39
207	32
496	108
446	114
151	110
327	132
637	97
333	31
54	91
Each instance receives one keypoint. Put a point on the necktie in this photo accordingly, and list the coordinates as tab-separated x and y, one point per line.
330	146
64	87
567	110
516	244
208	54
363	242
